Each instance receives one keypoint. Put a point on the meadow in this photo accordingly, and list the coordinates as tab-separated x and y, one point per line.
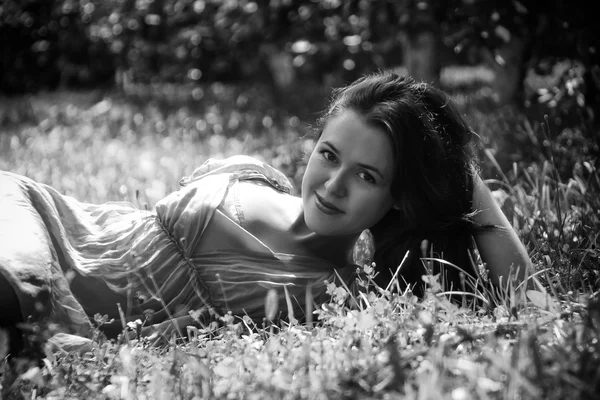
538	342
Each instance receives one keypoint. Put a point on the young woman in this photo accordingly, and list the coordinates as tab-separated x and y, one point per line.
393	157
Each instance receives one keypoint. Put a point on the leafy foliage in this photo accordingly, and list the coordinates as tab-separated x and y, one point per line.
47	43
549	32
83	42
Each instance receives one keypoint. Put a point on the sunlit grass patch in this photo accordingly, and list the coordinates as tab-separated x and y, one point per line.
105	148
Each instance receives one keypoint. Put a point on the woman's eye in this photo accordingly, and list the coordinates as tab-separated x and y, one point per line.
329	156
365	176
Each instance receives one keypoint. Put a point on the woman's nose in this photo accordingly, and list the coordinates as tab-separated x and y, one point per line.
336	185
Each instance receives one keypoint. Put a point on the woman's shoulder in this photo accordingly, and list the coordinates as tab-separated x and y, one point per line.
217	180
262	203
265	212
243	167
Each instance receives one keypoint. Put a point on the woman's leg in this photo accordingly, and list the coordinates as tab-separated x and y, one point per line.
10	316
25	260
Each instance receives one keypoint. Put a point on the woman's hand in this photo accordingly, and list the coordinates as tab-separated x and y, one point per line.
500	248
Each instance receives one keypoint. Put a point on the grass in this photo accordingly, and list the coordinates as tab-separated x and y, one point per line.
376	344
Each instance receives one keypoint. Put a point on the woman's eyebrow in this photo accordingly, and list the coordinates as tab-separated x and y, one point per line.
331	146
362	165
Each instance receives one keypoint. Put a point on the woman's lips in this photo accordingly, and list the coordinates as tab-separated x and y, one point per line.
326	207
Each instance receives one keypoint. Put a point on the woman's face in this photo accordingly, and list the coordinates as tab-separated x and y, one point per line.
346	186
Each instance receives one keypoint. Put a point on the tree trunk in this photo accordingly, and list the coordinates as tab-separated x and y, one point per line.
510	68
421	52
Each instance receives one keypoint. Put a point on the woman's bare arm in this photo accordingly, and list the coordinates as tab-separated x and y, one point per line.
500	248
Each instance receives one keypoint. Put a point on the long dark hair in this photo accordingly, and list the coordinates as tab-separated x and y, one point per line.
434	175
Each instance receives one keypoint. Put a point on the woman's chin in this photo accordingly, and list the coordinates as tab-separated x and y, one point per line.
321	227
324	224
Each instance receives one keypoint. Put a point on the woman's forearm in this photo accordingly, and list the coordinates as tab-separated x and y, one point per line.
500	248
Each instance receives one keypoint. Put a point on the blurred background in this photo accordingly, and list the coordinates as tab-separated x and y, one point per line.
511	47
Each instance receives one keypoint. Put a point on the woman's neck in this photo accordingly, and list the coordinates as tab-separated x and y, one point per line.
336	249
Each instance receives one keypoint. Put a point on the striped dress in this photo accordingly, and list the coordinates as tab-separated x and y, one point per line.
68	261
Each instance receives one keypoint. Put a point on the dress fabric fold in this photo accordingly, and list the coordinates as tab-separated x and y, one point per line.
68	261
